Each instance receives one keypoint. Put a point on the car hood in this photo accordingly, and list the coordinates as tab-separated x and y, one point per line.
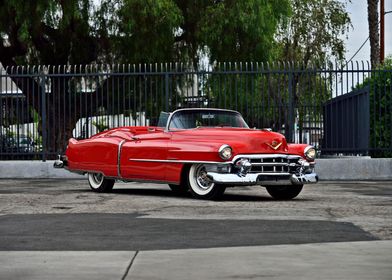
243	141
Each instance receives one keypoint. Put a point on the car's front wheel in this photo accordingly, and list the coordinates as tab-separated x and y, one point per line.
284	192
99	183
200	185
179	189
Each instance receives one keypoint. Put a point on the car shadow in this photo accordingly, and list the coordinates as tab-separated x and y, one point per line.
234	197
151	192
170	193
244	197
241	197
226	197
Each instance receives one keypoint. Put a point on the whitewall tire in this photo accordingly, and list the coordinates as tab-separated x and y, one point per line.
99	183
200	186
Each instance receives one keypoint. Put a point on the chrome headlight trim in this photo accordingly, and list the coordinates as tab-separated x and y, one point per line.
310	153
225	152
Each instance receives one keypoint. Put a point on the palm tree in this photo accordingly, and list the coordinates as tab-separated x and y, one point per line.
373	33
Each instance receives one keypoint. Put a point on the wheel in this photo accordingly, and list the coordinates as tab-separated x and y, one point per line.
284	192
200	186
179	189
99	183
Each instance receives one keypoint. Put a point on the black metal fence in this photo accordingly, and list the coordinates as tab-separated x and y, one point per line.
43	106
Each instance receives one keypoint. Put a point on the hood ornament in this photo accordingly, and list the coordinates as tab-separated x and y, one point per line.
274	145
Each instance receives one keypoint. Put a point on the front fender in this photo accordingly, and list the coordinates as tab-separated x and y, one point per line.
297	149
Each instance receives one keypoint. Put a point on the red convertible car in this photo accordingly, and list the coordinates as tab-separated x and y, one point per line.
198	150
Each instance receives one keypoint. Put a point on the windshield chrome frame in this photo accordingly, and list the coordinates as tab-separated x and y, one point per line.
199	109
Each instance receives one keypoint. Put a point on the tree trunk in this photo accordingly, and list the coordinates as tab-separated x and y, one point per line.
61	110
373	33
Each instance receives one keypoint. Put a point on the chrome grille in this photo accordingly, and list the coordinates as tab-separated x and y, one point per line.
275	164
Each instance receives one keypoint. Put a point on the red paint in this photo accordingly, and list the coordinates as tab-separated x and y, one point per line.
100	152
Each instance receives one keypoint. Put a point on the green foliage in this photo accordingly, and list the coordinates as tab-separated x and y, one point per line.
315	31
380	104
54	32
241	30
35	116
101	124
47	32
263	95
146	30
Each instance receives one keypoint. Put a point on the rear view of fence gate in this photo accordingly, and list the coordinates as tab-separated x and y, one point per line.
346	123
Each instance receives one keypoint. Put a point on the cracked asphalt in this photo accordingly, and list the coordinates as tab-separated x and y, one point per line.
66	215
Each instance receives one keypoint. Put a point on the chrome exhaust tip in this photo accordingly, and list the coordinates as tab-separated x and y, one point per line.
58	163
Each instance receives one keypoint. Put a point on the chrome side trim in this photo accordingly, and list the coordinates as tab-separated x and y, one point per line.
138	180
217	162
119	158
178	161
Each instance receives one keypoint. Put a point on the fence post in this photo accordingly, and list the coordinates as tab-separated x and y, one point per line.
43	117
167	92
291	117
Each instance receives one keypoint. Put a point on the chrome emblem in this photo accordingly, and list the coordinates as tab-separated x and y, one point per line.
274	145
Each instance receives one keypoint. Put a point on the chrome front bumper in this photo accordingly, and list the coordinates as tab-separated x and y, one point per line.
264	179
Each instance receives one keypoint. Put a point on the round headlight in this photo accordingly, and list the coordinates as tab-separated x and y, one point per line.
310	153
225	152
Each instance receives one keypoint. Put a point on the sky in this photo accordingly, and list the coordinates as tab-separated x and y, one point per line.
356	36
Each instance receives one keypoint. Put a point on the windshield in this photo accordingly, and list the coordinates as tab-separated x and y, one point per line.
189	119
163	117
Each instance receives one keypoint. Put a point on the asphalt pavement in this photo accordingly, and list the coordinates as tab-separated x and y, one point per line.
59	229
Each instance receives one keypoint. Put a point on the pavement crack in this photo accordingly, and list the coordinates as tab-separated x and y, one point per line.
129	266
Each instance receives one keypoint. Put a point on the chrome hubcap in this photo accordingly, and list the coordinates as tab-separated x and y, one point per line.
201	177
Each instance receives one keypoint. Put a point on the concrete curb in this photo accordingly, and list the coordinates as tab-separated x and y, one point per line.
354	168
328	169
34	170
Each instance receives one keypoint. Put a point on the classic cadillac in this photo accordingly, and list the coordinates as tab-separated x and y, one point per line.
198	150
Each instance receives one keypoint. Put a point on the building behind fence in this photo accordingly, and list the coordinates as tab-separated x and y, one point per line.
339	110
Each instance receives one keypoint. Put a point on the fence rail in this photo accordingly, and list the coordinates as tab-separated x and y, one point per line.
43	106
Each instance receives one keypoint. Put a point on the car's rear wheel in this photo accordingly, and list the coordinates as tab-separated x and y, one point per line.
99	183
284	192
200	185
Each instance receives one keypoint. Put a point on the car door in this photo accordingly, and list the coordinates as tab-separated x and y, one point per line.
144	157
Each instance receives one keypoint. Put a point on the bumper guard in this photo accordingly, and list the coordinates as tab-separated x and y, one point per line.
264	179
